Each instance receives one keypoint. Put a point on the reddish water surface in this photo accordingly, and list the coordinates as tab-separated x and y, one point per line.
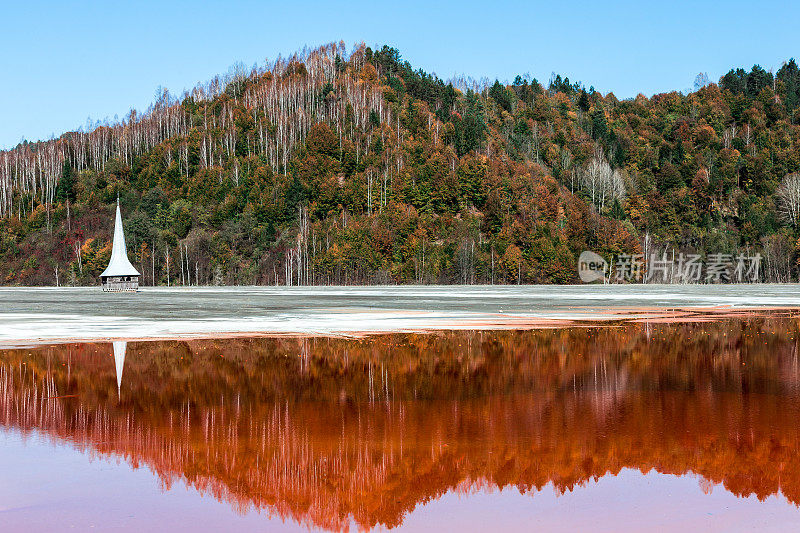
635	426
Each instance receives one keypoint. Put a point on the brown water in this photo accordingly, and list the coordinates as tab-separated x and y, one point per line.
636	426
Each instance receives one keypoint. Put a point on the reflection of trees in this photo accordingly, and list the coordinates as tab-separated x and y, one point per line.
321	429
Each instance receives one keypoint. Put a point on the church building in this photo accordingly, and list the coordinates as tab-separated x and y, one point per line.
120	274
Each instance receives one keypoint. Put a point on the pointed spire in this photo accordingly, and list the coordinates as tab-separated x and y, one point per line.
120	347
119	265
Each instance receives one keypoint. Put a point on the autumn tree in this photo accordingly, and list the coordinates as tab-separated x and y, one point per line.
788	197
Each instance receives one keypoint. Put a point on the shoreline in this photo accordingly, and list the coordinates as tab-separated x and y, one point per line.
608	317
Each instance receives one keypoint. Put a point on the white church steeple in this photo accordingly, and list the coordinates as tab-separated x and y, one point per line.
120	347
120	273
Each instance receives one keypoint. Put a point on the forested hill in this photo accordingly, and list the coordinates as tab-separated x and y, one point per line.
338	166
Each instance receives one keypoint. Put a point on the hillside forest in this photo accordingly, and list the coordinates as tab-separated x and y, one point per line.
337	166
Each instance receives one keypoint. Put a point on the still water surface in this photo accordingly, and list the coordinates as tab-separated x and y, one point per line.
629	426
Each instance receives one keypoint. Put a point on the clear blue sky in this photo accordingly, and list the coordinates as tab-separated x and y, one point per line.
62	62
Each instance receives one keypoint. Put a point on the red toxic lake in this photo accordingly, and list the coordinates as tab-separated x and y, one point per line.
626	426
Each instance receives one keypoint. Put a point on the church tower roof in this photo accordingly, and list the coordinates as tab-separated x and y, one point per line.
119	265
120	347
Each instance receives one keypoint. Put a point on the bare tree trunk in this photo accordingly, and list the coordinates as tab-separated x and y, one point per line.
188	269
492	252
166	261
77	246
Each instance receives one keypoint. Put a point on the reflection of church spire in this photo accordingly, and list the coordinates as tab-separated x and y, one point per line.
119	361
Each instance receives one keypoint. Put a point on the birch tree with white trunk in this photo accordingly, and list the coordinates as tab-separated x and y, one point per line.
788	197
602	183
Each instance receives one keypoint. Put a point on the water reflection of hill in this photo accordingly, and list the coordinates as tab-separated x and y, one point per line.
321	429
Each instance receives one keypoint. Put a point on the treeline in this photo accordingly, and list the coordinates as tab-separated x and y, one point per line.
353	167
